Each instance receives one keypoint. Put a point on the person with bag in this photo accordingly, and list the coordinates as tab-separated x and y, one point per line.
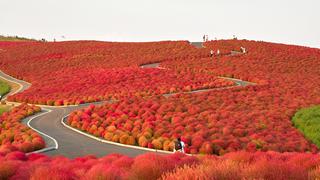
179	146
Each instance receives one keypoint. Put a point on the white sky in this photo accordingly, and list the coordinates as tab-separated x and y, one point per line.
285	21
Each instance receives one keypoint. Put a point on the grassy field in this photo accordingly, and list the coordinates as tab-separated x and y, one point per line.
308	122
4	88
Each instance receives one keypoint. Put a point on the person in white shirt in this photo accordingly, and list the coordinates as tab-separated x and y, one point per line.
179	146
243	50
211	53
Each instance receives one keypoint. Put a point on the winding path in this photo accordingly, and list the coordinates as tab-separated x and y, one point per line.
60	140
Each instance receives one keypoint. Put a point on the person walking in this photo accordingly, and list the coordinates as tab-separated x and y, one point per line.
243	50
211	53
204	38
218	52
179	145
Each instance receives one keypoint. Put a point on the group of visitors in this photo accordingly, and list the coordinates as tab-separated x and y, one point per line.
205	38
212	52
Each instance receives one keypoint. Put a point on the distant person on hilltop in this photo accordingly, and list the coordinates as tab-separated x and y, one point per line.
179	145
204	38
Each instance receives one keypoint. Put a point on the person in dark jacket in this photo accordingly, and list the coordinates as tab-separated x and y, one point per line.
179	145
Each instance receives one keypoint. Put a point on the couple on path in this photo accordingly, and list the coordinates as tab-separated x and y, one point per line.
205	38
212	52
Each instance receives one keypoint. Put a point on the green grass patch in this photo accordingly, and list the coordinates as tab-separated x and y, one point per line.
308	122
4	109
4	88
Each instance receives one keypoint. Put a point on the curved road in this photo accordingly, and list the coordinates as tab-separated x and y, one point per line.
70	143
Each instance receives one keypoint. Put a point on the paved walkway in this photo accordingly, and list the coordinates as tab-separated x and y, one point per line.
70	144
197	44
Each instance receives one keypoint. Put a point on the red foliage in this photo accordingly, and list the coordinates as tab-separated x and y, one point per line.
91	71
253	118
16	136
239	165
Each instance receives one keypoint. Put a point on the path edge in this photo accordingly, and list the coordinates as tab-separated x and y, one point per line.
111	142
56	146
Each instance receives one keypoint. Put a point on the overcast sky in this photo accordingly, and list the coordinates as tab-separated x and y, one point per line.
286	21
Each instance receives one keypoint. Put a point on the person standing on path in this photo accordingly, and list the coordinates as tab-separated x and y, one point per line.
211	53
179	146
243	50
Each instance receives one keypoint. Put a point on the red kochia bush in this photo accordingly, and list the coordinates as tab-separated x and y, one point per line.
105	171
16	136
252	118
151	166
114	84
242	165
88	71
238	165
